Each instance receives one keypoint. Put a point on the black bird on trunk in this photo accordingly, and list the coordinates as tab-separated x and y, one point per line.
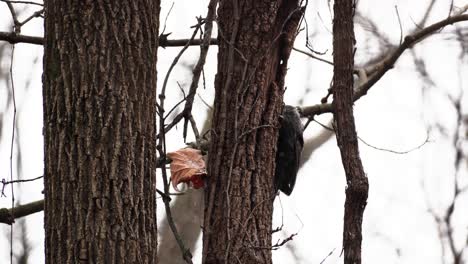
289	149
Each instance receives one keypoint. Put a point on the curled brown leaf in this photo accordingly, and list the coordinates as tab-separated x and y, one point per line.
187	166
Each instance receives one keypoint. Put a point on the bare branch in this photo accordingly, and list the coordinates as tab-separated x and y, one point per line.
13	38
8	216
377	71
278	243
313	56
427	140
38	13
182	42
426	14
14	16
185	114
21	181
204	45
396	151
326	257
22	2
5	183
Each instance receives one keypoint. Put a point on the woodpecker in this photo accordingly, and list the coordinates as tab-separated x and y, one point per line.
288	150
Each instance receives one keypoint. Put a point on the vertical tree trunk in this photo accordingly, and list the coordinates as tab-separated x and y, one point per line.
358	186
255	40
99	92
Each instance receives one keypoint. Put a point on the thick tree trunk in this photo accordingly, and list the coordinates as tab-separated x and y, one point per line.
255	40
358	186
99	131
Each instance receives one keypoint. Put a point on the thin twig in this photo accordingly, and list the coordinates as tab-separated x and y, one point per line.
22	2
427	13
167	16
198	69
369	25
224	96
427	140
174	63
12	147
204	102
34	15
394	151
327	256
14	16
278	243
179	103
313	56
17	181
386	64
193	124
176	59
399	22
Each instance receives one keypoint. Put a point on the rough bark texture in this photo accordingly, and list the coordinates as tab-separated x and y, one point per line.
99	131
357	189
255	40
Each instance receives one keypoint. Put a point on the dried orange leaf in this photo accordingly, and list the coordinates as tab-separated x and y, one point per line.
187	166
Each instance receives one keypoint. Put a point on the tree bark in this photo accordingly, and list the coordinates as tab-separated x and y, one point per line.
255	40
99	92
357	189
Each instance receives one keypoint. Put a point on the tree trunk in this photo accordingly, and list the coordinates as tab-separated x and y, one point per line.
358	186
99	92
255	40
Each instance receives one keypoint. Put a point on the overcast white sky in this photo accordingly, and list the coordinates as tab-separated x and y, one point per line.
395	115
